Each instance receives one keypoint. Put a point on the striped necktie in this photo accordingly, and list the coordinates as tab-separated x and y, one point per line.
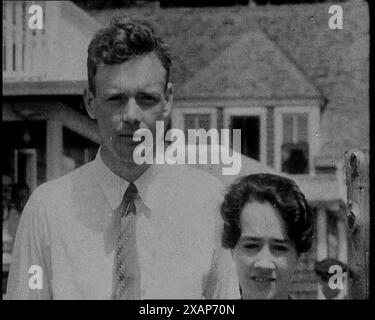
127	264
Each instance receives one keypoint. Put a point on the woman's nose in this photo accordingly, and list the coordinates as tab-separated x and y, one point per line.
264	259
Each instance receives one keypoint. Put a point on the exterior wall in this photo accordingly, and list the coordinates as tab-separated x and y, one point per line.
270	129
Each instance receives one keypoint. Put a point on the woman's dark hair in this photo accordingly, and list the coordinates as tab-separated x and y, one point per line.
123	40
282	193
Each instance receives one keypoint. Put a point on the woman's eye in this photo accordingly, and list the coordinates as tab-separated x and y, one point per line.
251	246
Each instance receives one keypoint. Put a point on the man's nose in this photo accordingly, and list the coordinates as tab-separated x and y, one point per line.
131	112
264	259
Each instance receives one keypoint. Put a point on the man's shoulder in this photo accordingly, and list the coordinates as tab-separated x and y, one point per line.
185	174
77	179
192	186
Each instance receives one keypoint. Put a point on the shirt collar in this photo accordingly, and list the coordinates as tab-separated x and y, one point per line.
114	186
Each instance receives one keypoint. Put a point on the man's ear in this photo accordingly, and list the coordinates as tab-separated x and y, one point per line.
169	100
89	100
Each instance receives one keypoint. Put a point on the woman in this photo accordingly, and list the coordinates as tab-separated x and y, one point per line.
267	225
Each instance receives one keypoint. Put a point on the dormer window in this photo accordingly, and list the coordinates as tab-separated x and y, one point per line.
296	133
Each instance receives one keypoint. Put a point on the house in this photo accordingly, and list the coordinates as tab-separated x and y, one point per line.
297	90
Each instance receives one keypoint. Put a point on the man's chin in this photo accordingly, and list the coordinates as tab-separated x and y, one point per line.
123	154
126	157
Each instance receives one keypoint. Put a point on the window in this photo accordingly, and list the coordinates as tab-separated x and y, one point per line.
295	146
252	121
196	121
250	135
194	116
296	133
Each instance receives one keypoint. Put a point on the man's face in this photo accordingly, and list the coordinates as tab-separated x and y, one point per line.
264	256
129	96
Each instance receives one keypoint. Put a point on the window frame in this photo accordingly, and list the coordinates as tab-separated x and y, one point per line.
313	114
179	113
32	167
250	111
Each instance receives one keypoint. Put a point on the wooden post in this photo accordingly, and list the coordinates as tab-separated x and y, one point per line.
322	244
357	181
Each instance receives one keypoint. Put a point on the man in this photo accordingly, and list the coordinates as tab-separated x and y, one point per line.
113	229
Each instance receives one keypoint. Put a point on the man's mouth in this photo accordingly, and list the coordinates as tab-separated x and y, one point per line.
127	135
261	279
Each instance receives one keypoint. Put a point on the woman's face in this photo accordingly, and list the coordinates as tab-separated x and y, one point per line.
264	255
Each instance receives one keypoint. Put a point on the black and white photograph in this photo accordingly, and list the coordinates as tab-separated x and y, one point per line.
186	150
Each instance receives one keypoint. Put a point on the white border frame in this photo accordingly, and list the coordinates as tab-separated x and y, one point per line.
313	113
250	111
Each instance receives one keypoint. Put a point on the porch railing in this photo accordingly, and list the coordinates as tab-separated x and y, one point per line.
24	49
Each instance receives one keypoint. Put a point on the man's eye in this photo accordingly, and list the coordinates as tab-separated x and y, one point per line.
115	98
146	99
281	248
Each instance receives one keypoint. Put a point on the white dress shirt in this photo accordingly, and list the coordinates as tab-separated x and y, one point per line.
70	226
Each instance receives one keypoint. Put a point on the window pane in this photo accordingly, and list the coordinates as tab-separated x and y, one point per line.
188	122
302	128
295	158
204	121
288	127
295	147
197	121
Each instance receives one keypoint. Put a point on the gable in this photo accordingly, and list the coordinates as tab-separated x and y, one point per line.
254	67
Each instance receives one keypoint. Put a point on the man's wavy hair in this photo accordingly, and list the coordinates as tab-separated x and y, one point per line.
123	40
282	193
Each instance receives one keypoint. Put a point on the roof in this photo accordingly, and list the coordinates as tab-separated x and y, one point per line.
42	88
338	63
253	67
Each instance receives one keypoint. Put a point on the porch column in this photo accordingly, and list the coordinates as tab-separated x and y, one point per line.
54	149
